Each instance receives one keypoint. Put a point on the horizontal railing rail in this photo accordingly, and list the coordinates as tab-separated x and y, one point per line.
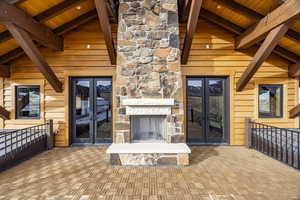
19	144
282	144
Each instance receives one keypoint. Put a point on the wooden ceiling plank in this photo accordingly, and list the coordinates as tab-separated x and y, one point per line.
253	15
262	54
34	54
295	111
294	70
13	54
5	71
4	114
76	22
190	29
285	13
288	55
106	29
41	33
47	14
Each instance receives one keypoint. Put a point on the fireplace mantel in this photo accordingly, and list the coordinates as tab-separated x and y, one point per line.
148	106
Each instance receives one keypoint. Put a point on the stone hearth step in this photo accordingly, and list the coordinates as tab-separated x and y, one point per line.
149	154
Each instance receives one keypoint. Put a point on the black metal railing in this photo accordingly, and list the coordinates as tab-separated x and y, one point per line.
16	145
282	144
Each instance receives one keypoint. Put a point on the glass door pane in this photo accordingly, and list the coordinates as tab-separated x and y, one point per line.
82	114
103	110
216	110
195	110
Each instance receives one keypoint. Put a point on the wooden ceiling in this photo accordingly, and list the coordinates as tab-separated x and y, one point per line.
234	15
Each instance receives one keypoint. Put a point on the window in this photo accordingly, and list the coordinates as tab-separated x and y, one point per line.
27	102
270	101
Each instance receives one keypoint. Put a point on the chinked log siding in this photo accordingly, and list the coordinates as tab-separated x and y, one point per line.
212	53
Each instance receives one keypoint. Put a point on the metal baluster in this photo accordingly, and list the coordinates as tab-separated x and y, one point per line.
286	148
260	140
256	136
276	144
281	148
298	135
268	141
292	147
272	149
5	143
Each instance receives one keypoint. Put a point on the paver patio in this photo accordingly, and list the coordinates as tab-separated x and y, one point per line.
215	173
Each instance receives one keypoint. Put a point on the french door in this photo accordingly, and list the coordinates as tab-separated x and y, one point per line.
207	110
91	110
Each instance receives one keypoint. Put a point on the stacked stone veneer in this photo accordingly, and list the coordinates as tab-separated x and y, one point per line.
148	64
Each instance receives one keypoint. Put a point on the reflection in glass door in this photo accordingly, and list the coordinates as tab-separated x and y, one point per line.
207	110
91	110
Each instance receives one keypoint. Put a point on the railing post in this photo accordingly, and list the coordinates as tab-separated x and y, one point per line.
50	134
248	134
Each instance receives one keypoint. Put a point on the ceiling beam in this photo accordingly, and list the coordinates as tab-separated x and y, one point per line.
295	111
34	54
284	13
14	1
184	7
190	29
106	29
4	114
13	54
255	16
262	54
41	33
227	25
4	71
294	70
47	14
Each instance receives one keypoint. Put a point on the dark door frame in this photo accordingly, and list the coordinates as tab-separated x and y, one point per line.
205	79
92	90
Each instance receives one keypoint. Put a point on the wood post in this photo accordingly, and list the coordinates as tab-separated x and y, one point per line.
248	138
50	134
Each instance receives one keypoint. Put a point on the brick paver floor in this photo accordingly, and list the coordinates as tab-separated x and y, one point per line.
215	173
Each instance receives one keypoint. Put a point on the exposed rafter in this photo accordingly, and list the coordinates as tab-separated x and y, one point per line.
4	114
106	29
285	13
34	54
47	14
239	30
4	71
40	33
262	54
14	1
253	15
190	29
294	70
59	31
295	111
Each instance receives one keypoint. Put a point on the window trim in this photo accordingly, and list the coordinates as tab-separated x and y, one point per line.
281	86
22	82
18	117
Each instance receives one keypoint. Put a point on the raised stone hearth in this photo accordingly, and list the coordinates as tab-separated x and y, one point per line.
148	81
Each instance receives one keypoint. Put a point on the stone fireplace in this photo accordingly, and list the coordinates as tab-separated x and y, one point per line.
149	108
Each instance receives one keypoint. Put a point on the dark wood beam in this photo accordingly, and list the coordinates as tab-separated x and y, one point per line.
294	70
4	114
106	29
14	1
41	33
262	54
295	111
4	71
255	16
227	25
285	13
47	14
13	54
34	54
184	7
190	29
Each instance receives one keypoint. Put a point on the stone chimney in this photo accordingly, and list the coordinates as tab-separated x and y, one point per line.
148	63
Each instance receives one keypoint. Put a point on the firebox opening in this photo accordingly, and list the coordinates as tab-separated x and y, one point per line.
148	129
